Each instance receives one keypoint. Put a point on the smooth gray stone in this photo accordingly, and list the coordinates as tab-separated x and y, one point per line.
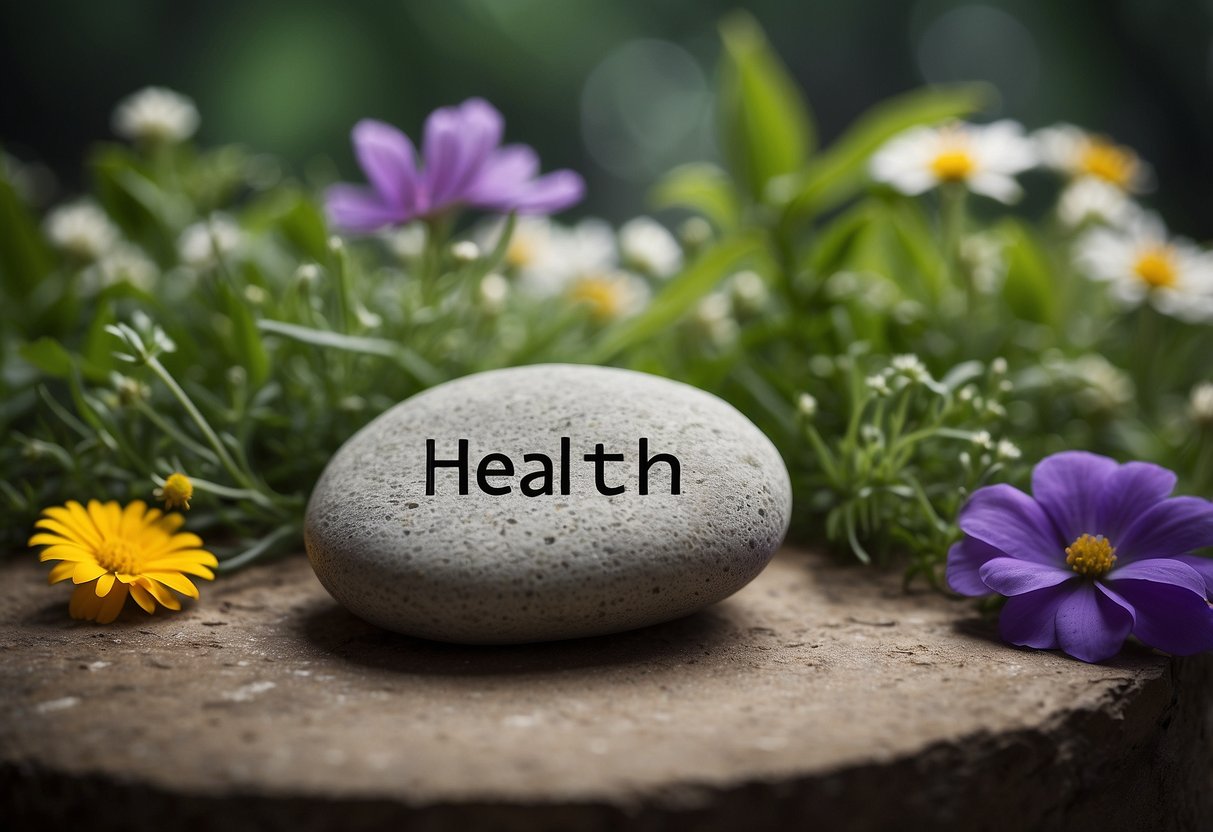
485	569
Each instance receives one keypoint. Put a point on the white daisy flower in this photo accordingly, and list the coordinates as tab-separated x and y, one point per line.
648	247
984	158
1141	263
155	114
610	296
1087	200
204	243
81	229
579	264
1081	155
529	244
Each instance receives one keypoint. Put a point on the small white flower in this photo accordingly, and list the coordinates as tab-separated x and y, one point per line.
911	367
465	251
879	384
749	291
125	263
155	114
308	274
407	242
806	405
205	243
1102	386
1142	263
1081	155
985	159
714	317
1007	450
494	289
1200	403
983	440
1090	200
647	246
81	229
999	366
694	232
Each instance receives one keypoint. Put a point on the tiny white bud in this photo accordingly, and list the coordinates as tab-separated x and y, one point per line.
308	273
695	232
879	385
336	244
465	251
999	366
1007	450
494	289
1200	403
807	405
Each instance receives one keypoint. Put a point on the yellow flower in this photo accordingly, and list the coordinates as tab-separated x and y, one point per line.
109	552
176	491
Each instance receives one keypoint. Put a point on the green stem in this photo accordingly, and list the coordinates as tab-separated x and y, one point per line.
212	438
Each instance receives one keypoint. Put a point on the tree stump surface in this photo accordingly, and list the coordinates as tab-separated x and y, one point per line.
821	692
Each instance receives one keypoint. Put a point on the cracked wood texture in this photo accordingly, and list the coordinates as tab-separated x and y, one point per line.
820	693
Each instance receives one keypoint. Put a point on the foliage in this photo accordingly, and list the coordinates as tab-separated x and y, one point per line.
222	331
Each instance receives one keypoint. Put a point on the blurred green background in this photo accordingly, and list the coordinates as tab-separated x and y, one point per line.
620	90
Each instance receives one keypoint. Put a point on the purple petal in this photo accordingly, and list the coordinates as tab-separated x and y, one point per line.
458	141
360	210
1067	486
1175	526
504	173
1012	576
965	559
1011	521
1127	493
1170	618
1029	619
1203	567
1160	571
388	159
551	193
1090	625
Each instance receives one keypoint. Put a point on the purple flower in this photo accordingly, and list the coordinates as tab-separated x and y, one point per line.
464	165
1099	551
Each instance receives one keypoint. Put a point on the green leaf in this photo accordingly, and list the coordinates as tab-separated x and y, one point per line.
49	356
24	258
676	298
701	187
1030	289
249	349
838	173
420	369
767	130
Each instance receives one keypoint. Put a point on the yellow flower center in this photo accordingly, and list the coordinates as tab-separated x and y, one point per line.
520	252
603	295
953	164
1106	161
1091	556
177	491
118	556
1156	267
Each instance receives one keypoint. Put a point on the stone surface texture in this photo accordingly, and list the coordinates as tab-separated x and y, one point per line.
820	696
484	568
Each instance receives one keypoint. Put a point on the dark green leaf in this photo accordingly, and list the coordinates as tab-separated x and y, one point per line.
767	130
